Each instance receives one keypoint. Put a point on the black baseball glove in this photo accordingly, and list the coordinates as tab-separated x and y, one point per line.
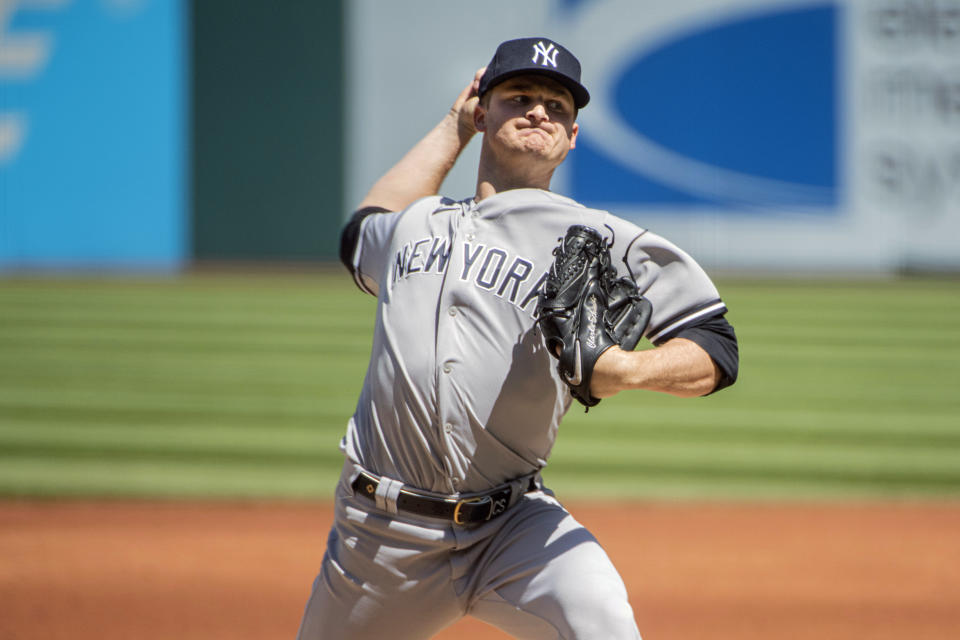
584	309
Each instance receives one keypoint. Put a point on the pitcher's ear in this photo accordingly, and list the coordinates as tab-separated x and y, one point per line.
479	118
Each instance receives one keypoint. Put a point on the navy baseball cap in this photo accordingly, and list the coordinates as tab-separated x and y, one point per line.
540	56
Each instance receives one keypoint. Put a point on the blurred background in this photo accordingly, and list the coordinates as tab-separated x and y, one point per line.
174	174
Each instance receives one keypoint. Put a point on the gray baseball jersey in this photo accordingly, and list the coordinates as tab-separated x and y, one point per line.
460	394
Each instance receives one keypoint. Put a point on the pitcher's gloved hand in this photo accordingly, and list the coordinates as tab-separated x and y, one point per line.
584	309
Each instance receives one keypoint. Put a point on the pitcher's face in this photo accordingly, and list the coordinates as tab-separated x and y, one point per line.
531	115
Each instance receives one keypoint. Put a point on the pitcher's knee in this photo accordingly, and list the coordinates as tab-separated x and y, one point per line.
602	613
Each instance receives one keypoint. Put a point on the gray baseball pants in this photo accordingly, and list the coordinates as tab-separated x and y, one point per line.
534	572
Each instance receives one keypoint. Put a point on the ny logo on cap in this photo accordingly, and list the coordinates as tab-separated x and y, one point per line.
547	54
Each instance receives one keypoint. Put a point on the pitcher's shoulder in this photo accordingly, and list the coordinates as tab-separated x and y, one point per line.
433	204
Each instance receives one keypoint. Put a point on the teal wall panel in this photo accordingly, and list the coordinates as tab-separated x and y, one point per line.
267	129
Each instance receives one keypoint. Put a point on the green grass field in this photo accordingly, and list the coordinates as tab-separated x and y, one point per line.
240	385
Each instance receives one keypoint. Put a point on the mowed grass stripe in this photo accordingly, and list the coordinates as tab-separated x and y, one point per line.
147	401
904	353
809	293
916	482
847	312
303	368
939	432
863	427
621	417
804	333
601	484
208	340
283	304
201	438
322	454
56	477
202	312
264	415
919	464
797	459
828	379
300	317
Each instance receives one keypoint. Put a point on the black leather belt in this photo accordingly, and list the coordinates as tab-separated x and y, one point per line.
468	510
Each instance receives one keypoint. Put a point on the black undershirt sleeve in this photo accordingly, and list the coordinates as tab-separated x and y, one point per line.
716	336
350	235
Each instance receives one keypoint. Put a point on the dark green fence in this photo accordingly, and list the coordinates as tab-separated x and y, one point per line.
267	129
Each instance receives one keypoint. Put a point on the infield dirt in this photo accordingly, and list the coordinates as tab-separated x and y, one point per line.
164	570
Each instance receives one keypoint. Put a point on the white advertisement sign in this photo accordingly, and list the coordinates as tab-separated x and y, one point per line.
761	135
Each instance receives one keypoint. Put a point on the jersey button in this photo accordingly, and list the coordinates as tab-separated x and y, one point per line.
471	237
447	368
452	311
447	428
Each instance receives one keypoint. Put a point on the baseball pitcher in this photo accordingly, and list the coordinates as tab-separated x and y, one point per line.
495	314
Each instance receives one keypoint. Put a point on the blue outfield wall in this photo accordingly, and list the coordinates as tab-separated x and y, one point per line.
94	134
738	113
